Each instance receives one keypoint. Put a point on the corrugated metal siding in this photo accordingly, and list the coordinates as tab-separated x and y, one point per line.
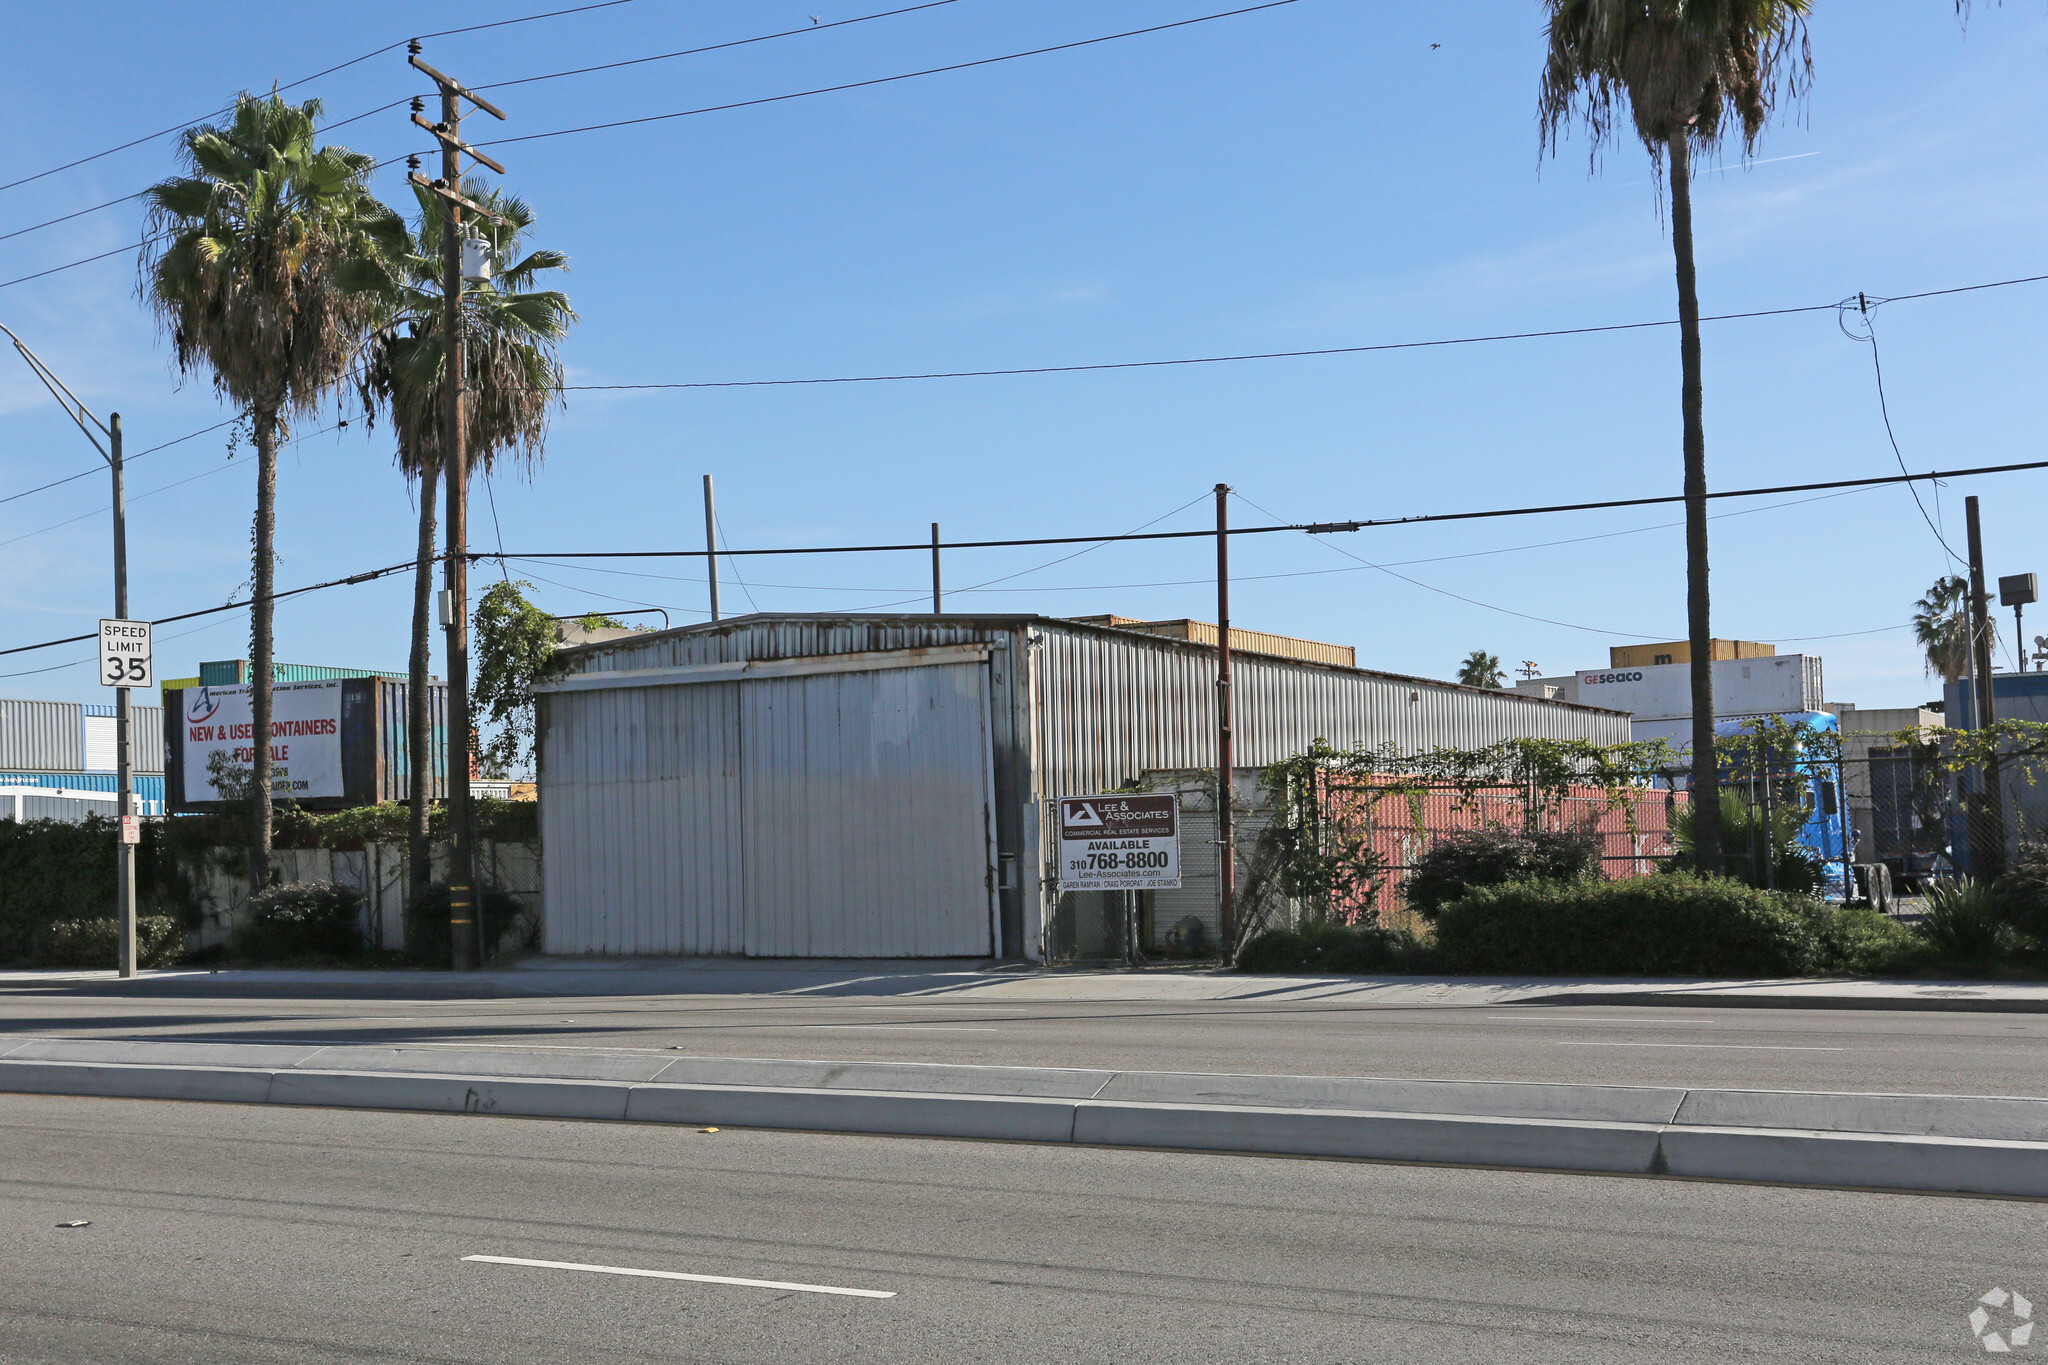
236	672
394	737
149	789
639	820
1112	706
41	736
100	749
1088	711
865	814
69	809
101	752
791	637
146	743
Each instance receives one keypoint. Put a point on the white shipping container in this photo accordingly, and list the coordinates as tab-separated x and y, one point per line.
1742	687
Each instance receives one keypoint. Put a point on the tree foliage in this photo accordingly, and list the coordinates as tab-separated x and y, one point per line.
1481	669
1697	68
515	645
1941	627
266	263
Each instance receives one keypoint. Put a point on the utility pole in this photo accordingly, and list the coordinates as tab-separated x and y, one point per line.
937	601
711	544
1987	829
462	900
124	748
124	725
1226	757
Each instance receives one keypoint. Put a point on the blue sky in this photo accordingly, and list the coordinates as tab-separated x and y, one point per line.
1315	175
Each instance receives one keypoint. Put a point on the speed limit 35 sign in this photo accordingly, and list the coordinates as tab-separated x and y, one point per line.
1119	843
125	658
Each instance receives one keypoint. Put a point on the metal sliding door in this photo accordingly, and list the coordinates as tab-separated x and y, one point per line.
866	805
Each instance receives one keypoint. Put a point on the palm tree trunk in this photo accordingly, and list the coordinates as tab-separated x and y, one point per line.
262	618
419	713
1706	773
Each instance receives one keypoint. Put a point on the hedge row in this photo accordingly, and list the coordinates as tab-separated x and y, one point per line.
1671	925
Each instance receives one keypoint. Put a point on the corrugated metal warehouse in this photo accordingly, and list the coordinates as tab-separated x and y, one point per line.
872	786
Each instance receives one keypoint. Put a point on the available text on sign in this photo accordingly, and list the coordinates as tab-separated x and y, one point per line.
1119	843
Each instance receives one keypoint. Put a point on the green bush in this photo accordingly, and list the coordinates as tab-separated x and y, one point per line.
1677	925
427	931
1756	851
58	871
2023	891
1859	941
1965	922
1330	948
300	920
1461	862
159	942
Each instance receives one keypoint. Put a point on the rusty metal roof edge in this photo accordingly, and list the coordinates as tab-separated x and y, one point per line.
1013	619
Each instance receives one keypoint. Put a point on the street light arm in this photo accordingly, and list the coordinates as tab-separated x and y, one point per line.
70	401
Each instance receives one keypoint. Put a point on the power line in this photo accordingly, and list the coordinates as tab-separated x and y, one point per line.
1281	355
719	47
888	80
367	576
523	80
1311	528
1458	596
342	66
85	260
1863	303
130	459
918	594
102	511
1091	549
709	109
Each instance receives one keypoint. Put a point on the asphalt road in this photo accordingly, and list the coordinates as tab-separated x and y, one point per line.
1855	1050
224	1233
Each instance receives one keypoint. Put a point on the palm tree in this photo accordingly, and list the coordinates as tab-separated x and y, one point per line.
1481	669
1941	626
511	377
1685	68
258	264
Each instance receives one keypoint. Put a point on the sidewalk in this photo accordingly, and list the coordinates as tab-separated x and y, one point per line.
1935	1143
974	981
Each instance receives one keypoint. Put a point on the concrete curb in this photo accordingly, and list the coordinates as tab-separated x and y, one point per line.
1916	1004
1953	1144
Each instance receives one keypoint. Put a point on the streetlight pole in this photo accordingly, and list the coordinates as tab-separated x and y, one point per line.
124	749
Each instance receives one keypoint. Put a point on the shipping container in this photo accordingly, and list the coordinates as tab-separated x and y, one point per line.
1653	692
336	743
42	736
100	744
69	805
797	785
149	787
238	672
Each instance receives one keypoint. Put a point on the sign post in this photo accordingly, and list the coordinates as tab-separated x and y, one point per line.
127	660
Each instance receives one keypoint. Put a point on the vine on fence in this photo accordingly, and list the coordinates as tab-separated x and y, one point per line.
1325	863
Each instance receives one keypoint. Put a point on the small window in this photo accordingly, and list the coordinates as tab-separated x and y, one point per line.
1661	659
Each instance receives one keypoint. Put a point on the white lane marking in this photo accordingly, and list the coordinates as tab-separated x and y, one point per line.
1568	1019
679	1275
927	1028
1724	1047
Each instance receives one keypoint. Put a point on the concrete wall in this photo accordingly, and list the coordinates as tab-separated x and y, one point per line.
379	872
